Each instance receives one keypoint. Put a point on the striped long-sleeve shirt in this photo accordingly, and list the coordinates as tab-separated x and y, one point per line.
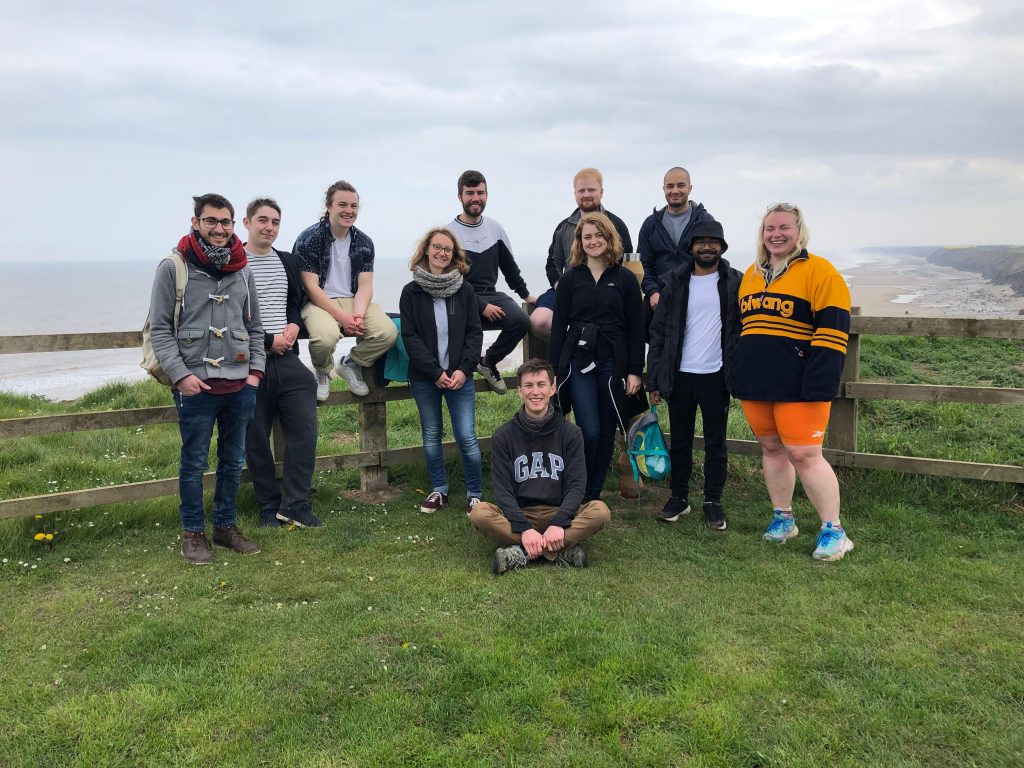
795	328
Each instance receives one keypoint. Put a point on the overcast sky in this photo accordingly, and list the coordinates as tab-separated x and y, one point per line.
889	122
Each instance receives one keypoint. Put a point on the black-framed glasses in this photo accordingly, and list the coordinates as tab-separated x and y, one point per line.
446	250
212	222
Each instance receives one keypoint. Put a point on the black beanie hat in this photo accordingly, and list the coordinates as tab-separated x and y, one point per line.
707	228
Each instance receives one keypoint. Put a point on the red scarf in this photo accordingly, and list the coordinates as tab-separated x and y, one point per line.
236	261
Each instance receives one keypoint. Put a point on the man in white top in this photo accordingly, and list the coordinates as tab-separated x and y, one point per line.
694	335
336	263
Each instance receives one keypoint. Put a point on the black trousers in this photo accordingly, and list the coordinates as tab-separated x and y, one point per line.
514	325
288	391
707	392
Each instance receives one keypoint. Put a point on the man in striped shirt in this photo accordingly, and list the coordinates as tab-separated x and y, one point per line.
288	388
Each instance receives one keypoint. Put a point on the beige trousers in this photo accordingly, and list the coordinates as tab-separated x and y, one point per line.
489	520
324	334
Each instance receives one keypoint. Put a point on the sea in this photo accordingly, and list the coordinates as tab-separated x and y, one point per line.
93	296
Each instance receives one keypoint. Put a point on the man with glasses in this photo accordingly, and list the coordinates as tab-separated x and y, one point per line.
335	261
488	250
211	348
694	336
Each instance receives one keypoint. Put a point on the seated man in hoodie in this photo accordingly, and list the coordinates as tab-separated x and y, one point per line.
540	477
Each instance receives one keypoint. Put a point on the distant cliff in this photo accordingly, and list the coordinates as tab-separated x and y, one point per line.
1003	264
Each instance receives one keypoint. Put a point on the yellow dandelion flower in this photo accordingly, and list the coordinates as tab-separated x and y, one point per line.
49	537
39	517
39	536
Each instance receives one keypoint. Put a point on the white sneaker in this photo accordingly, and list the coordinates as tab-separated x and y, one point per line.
323	385
350	371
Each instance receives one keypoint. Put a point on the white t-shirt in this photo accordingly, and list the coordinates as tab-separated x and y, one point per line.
339	274
702	342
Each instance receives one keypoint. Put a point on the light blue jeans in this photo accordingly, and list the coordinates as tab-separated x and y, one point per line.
462	408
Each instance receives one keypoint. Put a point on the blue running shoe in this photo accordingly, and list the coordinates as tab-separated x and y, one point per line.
782	528
832	544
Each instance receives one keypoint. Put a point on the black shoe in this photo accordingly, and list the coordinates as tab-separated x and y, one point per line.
300	517
714	516
268	519
674	508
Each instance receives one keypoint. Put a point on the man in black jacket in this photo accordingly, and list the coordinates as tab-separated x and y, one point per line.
694	335
664	235
288	388
540	478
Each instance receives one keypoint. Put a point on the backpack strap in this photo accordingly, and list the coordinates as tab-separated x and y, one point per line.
180	281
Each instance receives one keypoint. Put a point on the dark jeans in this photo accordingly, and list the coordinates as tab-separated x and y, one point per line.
288	391
594	409
197	415
462	409
514	325
706	391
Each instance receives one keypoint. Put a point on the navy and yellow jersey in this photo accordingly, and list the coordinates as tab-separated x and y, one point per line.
794	332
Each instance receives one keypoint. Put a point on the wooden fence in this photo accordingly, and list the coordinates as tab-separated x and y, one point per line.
374	456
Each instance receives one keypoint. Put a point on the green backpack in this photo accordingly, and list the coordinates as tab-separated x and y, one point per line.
646	445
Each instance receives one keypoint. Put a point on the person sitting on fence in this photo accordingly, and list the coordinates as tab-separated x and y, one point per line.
214	357
288	390
336	263
795	310
694	335
540	478
442	335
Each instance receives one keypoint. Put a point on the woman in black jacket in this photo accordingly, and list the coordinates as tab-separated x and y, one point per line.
442	335
597	341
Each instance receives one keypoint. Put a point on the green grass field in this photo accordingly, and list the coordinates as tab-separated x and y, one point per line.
383	639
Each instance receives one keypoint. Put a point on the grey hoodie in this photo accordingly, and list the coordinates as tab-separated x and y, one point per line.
218	338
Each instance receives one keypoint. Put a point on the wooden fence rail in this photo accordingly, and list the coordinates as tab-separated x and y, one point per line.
374	456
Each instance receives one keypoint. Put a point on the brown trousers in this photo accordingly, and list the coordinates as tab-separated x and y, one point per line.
489	520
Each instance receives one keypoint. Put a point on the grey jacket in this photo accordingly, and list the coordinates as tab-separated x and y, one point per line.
217	339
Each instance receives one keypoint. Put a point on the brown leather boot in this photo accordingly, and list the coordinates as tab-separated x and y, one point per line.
627	488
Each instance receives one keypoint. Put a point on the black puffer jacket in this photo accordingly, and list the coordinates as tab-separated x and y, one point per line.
669	326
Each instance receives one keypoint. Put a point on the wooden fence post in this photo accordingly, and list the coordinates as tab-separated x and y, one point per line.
373	434
842	422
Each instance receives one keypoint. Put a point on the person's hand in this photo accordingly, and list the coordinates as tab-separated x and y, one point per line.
632	384
654	298
253	381
655	396
493	312
443	381
193	385
291	333
358	327
531	300
456	380
281	344
554	538
533	543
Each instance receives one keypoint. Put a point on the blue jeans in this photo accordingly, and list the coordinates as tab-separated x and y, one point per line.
594	410
197	415
462	409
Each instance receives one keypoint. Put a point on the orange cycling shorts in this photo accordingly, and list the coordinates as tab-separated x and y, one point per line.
793	423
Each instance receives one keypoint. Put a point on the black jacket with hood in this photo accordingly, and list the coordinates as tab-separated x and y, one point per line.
658	253
419	332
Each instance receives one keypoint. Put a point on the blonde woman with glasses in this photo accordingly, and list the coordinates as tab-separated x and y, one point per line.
795	310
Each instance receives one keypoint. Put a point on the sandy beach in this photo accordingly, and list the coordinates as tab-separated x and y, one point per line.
913	286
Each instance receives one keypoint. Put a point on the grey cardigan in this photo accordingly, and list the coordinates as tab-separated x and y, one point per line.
220	335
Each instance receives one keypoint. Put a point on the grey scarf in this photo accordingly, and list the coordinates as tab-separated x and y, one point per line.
438	286
534	424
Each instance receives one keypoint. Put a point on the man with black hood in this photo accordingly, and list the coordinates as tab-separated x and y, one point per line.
694	335
540	476
665	233
210	345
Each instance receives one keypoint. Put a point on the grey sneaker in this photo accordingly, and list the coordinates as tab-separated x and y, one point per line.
323	385
195	548
350	371
572	557
492	377
674	508
509	559
232	538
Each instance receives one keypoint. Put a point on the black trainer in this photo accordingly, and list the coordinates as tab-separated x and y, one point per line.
301	517
268	519
572	557
674	508
714	516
